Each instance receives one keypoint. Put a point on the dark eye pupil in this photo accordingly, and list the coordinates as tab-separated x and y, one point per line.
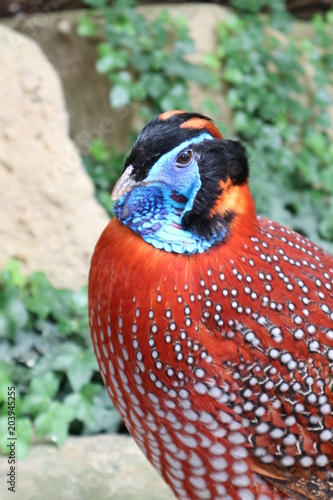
184	158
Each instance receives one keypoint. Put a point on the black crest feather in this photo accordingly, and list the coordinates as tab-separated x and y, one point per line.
157	138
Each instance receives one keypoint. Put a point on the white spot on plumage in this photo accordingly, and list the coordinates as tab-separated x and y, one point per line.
287	461
322	460
219	477
187	440
236	438
306	461
241	481
199	372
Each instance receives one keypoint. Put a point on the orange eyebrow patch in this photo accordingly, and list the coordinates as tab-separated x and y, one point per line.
201	123
167	114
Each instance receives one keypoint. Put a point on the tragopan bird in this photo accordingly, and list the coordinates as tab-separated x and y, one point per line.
213	327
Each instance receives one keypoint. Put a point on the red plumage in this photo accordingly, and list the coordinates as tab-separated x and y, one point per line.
221	363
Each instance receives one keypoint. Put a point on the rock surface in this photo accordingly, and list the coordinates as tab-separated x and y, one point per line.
98	467
50	220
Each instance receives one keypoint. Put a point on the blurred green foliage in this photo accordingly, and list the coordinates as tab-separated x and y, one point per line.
146	62
47	354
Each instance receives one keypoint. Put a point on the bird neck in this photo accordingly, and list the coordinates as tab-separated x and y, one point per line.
237	204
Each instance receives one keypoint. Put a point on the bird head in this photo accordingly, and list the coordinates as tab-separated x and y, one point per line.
183	187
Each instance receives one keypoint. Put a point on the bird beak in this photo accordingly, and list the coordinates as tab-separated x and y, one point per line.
124	184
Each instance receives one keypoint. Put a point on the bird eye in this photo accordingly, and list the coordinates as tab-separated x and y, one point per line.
184	158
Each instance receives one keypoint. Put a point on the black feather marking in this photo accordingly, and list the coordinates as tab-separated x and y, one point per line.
157	138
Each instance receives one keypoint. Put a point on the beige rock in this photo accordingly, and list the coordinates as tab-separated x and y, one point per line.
100	467
86	92
50	220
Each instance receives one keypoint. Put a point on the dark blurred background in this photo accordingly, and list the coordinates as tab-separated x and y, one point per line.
303	9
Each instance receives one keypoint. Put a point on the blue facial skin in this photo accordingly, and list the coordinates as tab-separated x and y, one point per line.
155	210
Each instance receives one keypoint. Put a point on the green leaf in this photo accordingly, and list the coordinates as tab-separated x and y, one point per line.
211	60
138	92
86	27
13	268
84	410
98	150
78	364
65	357
95	3
119	96
17	312
184	47
82	369
326	179
54	422
34	404
4	384
106	64
233	75
326	226
4	435
6	328
233	98
241	121
329	16
89	391
24	436
317	142
107	419
234	23
156	85
46	386
114	60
